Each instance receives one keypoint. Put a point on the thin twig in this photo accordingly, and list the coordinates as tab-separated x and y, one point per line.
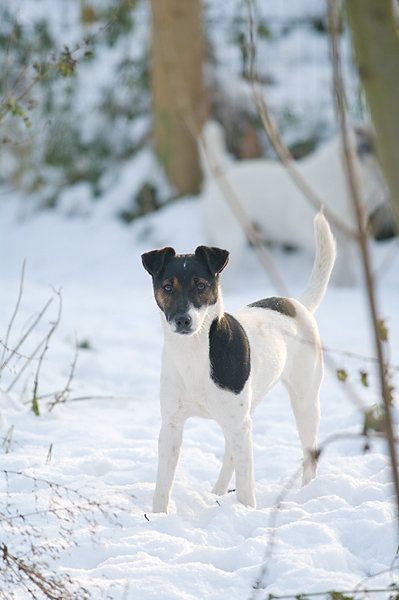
26	334
259	582
63	395
280	147
10	324
35	406
333	12
331	594
6	107
104	397
92	397
252	234
28	360
331	439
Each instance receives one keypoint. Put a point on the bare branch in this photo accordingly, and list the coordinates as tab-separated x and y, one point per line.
332	439
274	135
241	215
333	12
35	406
5	342
26	335
63	395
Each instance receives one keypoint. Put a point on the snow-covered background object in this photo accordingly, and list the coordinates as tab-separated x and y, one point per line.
79	397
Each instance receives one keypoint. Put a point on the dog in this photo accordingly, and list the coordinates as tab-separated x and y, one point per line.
219	365
278	208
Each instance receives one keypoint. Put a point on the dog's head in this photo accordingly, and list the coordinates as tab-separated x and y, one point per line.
186	286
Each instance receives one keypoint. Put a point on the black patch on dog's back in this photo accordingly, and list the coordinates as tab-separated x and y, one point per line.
229	354
281	305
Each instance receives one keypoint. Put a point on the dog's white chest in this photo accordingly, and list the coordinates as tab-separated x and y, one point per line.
189	371
198	402
199	393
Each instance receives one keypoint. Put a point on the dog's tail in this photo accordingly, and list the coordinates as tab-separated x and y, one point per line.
322	266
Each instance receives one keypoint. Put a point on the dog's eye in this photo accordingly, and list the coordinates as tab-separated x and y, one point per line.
167	288
200	286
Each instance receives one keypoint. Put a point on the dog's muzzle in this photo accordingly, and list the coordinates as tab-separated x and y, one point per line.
183	323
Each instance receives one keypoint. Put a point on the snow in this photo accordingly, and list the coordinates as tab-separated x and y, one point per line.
293	62
100	446
77	481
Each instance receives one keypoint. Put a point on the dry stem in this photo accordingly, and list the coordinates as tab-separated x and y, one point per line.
5	343
333	12
274	135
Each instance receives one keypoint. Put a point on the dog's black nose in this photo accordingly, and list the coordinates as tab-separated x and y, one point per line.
183	323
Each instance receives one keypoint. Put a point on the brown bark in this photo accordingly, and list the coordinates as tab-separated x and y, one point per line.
376	46
177	53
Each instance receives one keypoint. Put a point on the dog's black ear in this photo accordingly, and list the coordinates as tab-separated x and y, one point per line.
154	261
215	258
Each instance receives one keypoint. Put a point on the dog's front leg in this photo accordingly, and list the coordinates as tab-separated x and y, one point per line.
169	444
226	472
240	439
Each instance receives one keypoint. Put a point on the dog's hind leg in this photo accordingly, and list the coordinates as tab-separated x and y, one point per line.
226	472
169	444
304	397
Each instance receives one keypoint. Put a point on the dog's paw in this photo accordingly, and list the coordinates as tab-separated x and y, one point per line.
246	498
309	468
220	489
159	505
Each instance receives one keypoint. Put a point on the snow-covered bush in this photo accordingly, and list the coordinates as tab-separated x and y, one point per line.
73	93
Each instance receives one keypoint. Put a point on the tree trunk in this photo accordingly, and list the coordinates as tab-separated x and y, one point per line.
376	45
177	54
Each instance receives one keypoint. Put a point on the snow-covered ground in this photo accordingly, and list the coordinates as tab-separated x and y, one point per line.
77	481
90	463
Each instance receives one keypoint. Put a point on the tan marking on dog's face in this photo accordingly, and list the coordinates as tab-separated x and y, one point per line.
172	293
188	294
165	294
